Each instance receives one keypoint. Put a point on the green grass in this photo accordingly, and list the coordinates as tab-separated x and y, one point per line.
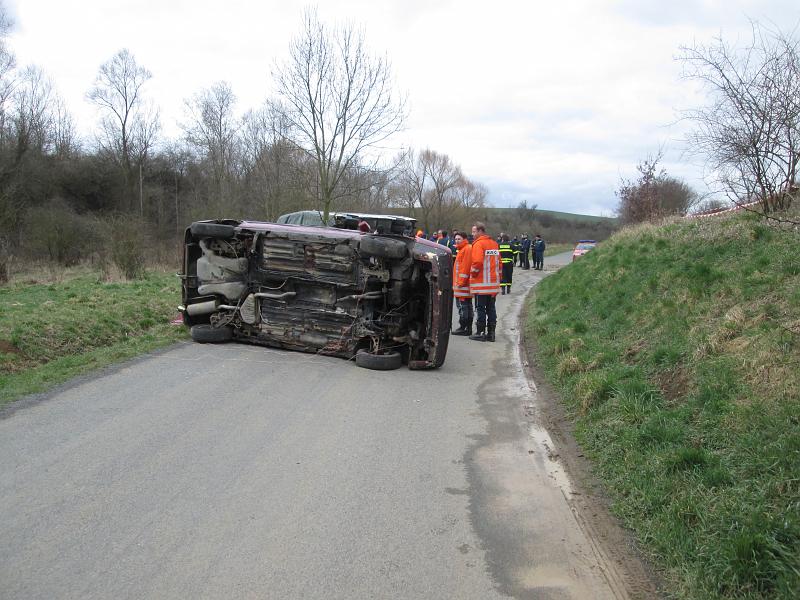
552	249
677	352
51	332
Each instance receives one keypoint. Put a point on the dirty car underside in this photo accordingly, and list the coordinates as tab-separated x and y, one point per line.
323	290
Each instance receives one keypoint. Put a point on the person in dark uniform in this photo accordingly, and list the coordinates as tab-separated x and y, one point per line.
507	264
515	247
525	252
538	252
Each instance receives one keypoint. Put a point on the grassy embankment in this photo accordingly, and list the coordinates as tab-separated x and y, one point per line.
51	332
677	351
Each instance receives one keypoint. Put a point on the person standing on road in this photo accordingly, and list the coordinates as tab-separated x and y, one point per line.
515	247
525	252
484	282
538	252
446	240
461	292
507	265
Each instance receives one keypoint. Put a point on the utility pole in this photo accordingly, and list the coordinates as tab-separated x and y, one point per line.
141	195
177	213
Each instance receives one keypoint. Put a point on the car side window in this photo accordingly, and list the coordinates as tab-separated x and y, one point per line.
312	218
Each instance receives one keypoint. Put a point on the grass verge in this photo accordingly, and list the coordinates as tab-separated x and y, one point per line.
51	332
552	249
677	352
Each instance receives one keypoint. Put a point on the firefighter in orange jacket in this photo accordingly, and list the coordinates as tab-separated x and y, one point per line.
484	282
461	293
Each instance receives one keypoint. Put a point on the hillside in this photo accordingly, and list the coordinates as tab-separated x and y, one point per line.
552	225
560	215
677	352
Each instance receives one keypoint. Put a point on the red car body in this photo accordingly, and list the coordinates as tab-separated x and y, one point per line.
582	247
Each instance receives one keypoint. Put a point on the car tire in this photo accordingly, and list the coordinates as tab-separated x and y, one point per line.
379	362
212	230
382	247
208	334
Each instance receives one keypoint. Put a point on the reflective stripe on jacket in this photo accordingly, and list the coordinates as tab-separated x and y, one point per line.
506	253
461	270
484	277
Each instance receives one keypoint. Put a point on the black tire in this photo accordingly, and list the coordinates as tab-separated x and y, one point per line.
208	334
382	247
212	230
379	362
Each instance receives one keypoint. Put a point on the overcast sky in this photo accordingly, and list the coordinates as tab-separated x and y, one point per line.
545	102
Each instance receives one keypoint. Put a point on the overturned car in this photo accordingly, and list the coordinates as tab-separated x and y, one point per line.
385	299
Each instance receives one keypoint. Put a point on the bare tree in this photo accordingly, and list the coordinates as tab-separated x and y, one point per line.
178	158
128	124
7	64
275	171
338	101
471	201
9	202
212	131
653	195
435	189
750	129
445	176
471	195
526	213
33	119
412	188
67	142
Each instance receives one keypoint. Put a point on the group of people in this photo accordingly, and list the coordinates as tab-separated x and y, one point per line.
482	269
516	252
476	276
440	236
523	249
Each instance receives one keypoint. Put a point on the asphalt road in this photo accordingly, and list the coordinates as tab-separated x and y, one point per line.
235	471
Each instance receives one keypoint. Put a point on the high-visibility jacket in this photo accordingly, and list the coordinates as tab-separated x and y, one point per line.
484	276
461	270
506	253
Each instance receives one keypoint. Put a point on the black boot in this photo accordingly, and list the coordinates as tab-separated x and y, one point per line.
478	337
490	334
463	330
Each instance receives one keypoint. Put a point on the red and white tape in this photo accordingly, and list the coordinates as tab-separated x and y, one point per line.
715	213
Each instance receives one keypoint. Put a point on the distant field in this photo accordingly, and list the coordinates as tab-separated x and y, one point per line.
558	215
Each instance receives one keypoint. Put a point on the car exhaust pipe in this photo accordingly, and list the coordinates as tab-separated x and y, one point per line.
202	308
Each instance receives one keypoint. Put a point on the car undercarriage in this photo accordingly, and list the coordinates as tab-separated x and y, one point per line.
383	299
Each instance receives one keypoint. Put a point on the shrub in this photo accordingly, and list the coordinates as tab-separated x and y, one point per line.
55	231
5	259
127	239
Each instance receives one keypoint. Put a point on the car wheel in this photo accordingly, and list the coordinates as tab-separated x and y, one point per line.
379	362
208	334
382	247
212	230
